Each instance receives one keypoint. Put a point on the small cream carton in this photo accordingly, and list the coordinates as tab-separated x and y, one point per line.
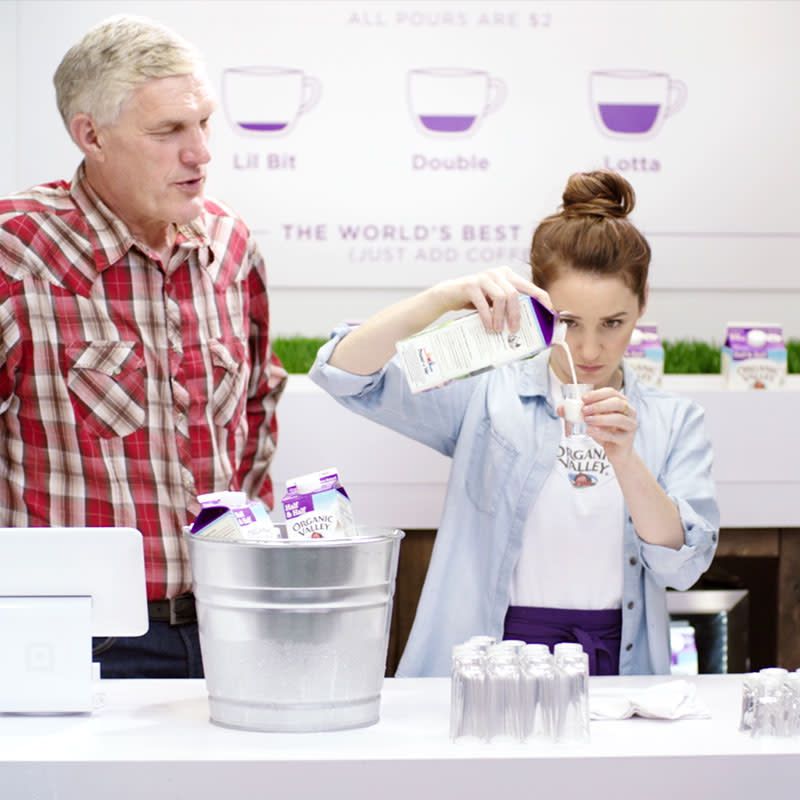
316	506
231	516
645	354
754	356
462	347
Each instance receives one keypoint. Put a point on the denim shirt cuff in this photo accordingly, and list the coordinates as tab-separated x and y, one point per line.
697	537
339	382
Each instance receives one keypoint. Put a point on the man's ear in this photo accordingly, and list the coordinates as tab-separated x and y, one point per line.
86	134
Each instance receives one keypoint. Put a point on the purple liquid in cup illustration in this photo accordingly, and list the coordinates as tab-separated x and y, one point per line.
634	103
267	101
452	101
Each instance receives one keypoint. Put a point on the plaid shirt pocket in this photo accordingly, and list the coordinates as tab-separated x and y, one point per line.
106	380
230	374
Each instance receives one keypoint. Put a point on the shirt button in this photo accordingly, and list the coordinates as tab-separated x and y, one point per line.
630	605
633	561
628	647
713	537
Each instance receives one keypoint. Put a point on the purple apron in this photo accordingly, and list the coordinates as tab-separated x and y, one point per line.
599	632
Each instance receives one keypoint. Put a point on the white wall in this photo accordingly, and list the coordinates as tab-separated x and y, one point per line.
715	179
8	95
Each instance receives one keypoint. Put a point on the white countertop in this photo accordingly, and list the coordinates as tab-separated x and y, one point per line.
152	740
396	482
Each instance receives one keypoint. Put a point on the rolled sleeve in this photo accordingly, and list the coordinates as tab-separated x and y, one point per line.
688	483
337	382
432	418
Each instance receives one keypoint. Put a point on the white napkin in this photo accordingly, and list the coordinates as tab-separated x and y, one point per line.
669	700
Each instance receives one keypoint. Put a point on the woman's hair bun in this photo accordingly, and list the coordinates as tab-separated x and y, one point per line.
601	193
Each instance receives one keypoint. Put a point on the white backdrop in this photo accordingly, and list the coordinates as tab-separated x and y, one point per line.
378	147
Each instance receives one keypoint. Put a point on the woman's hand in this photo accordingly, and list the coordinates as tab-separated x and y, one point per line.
492	293
611	421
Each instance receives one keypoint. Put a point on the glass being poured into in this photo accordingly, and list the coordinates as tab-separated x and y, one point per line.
573	392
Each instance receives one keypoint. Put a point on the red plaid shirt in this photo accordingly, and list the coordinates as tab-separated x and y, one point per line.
128	387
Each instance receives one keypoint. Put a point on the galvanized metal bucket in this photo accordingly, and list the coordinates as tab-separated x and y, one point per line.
294	633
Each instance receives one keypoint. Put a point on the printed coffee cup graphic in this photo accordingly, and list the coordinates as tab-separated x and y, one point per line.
451	101
634	103
267	101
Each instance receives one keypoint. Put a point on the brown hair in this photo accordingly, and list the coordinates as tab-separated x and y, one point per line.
591	233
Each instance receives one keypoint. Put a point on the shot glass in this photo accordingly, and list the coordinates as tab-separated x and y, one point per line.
769	713
574	425
751	684
537	693
468	711
572	688
503	701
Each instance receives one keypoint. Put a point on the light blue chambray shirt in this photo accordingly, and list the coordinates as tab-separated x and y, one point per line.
502	434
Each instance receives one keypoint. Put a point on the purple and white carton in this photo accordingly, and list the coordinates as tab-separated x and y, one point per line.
754	356
232	517
645	354
316	506
461	347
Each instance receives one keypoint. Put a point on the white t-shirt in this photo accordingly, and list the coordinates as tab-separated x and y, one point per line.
572	543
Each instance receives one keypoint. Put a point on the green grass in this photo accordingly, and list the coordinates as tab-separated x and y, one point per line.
681	357
688	357
793	354
297	352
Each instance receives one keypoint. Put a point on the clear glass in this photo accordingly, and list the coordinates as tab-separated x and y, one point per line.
750	686
503	677
467	694
574	426
572	705
537	688
769	709
512	644
482	642
564	649
792	700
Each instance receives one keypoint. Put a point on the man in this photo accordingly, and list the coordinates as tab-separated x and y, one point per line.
135	365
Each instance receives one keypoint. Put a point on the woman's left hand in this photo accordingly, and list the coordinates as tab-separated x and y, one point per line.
611	421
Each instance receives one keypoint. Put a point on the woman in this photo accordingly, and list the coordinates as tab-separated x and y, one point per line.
524	548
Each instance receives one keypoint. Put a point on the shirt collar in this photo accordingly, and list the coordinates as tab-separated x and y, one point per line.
533	376
111	238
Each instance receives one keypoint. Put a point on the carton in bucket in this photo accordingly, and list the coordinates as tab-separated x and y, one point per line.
316	506
294	632
231	515
645	354
754	356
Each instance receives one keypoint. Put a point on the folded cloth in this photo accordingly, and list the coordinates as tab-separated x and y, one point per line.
669	700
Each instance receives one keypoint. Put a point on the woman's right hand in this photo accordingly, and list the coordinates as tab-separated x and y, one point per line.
493	294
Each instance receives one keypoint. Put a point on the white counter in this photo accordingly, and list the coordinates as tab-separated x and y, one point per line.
394	481
151	740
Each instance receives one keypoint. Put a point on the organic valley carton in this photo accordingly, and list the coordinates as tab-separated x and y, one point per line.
754	356
461	347
231	516
316	506
645	354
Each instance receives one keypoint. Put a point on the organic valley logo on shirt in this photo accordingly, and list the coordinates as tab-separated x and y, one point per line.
585	467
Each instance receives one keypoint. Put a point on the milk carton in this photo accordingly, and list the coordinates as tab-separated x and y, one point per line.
461	347
754	356
231	516
683	646
645	354
316	506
